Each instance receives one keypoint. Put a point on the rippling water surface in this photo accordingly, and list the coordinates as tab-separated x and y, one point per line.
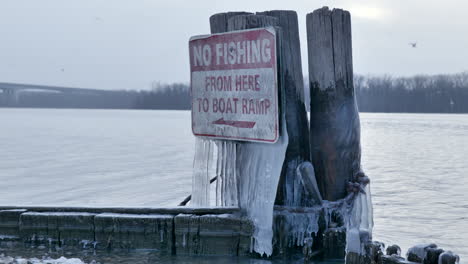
418	164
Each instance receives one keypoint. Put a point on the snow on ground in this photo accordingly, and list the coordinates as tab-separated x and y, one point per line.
19	260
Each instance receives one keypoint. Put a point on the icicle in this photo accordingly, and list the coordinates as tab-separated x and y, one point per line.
306	177
230	189
219	174
202	164
293	188
226	171
259	168
297	227
359	222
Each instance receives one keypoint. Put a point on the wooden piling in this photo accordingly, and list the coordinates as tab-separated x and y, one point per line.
230	21
334	118
219	22
293	85
251	21
290	192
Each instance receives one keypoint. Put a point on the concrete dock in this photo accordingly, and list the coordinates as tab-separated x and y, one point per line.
181	230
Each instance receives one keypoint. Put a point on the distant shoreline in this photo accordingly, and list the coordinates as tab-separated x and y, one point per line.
146	109
374	94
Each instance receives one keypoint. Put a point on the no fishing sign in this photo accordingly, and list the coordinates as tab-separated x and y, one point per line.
234	85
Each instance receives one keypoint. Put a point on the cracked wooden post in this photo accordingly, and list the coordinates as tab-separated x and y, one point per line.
244	22
334	117
290	190
219	22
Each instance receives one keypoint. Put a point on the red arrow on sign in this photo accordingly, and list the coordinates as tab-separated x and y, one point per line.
240	124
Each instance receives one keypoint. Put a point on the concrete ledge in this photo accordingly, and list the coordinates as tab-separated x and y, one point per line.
9	222
219	234
130	210
75	229
61	229
225	234
205	232
34	228
132	231
246	238
186	234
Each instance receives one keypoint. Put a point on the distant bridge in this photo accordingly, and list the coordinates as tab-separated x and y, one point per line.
10	92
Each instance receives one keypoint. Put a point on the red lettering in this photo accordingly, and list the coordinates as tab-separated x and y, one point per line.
244	81
238	83
228	106
221	105
227	83
199	104
207	83
251	82
219	83
257	82
235	104
267	105
213	83
251	106
206	105
215	105
244	106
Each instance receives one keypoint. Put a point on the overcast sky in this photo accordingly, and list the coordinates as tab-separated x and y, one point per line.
128	44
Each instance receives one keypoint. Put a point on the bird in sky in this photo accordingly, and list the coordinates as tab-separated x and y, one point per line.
413	44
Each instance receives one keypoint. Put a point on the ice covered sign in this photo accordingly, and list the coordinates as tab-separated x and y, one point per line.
234	85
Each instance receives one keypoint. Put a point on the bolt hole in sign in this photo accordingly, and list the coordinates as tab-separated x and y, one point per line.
234	85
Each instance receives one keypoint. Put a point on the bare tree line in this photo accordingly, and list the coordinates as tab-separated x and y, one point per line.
170	96
417	94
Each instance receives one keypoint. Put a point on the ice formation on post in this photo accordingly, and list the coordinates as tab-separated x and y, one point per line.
259	168
292	184
202	164
359	222
215	158
298	220
247	176
226	174
296	228
306	176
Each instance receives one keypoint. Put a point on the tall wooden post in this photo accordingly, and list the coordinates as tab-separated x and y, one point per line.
334	117
290	189
257	187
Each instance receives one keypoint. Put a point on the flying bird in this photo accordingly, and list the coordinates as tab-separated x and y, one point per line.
413	44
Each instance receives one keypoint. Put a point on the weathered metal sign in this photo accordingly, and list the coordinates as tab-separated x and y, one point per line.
234	85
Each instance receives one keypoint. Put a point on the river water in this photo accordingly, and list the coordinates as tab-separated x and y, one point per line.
418	164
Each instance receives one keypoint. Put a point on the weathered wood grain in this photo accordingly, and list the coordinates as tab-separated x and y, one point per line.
290	71
241	22
334	118
291	193
219	22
